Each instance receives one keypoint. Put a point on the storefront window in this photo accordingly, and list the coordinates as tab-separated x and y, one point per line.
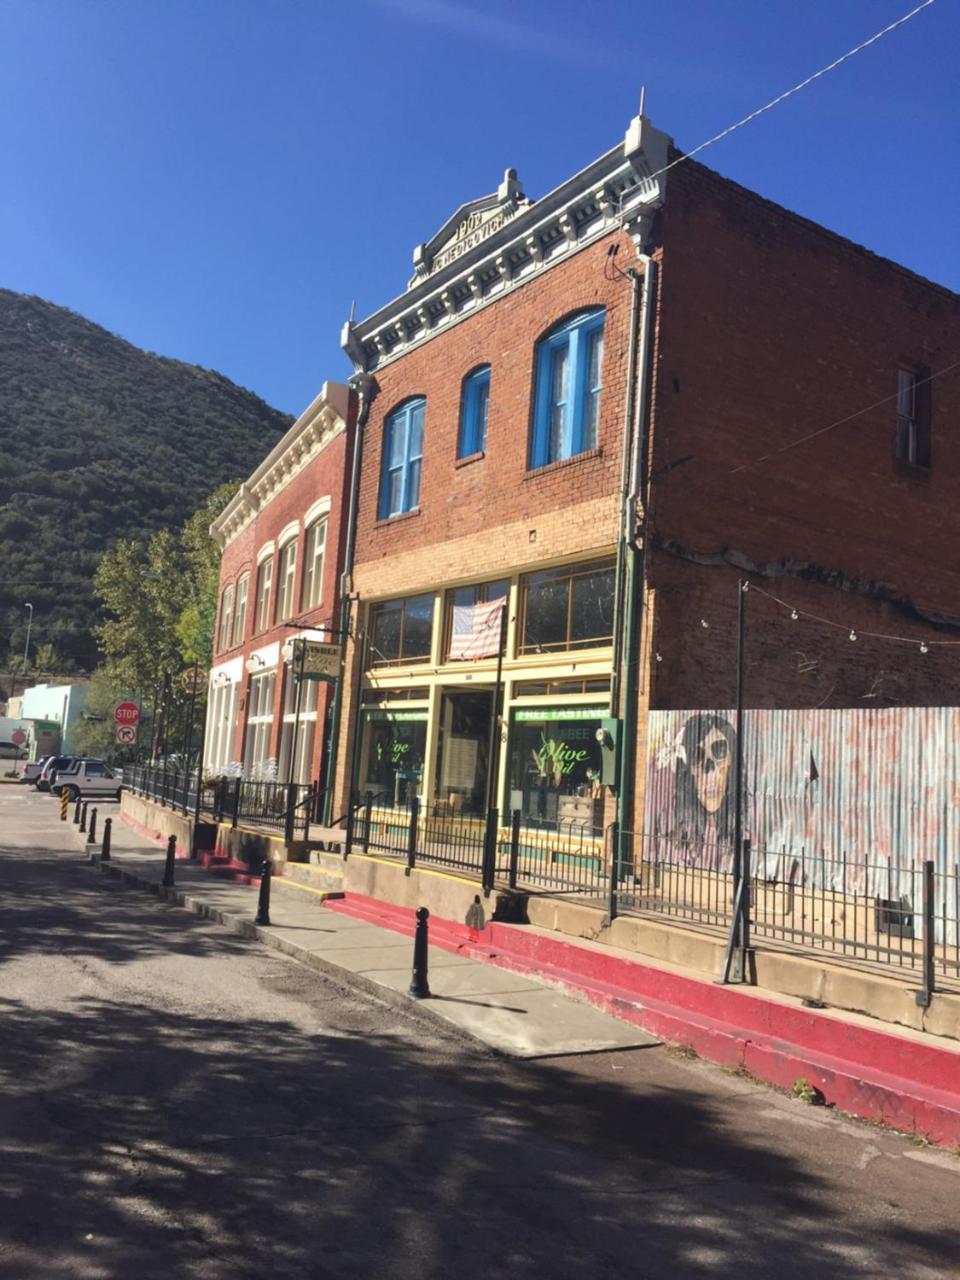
541	688
392	751
257	760
568	608
400	631
554	763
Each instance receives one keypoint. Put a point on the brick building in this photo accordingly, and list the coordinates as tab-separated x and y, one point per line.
281	542
583	416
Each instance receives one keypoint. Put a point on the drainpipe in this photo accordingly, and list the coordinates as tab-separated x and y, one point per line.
364	386
636	286
634	567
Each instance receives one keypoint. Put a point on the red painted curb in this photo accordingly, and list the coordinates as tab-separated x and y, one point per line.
875	1074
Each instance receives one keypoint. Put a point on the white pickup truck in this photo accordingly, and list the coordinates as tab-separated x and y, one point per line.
88	778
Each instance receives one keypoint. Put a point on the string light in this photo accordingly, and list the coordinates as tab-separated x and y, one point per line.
852	633
704	623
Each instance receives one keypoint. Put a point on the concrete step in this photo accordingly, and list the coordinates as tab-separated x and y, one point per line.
326	879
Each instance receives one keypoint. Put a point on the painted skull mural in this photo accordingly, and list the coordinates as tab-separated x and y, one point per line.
695	789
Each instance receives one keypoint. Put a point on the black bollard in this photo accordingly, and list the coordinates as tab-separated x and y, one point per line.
168	875
92	833
105	848
76	813
263	902
83	817
419	986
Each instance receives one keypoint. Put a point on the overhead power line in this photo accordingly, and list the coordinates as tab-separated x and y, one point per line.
788	93
820	431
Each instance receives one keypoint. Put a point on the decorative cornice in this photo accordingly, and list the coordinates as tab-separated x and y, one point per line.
493	245
320	423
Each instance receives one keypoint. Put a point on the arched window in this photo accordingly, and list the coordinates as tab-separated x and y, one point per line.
473	412
226	618
568	369
402	454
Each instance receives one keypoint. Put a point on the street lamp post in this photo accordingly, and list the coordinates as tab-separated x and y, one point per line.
26	649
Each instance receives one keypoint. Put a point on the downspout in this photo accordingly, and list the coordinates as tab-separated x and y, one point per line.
364	387
634	566
636	284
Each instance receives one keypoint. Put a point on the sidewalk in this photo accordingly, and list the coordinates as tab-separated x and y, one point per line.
530	992
515	1014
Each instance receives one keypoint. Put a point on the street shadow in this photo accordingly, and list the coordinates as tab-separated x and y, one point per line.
154	1140
59	904
145	1142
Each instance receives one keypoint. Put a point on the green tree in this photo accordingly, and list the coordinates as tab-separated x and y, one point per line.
160	602
46	660
144	589
95	734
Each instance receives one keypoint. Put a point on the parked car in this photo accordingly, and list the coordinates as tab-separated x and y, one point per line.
73	764
10	751
89	778
33	769
51	765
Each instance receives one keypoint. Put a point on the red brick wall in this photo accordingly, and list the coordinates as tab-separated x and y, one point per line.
772	328
456	501
327	474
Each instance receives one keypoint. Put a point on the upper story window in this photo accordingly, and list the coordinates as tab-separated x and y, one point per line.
566	407
226	619
316	545
567	608
473	413
264	583
240	611
913	418
401	631
286	576
402	453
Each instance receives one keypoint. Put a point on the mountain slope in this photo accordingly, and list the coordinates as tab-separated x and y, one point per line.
100	440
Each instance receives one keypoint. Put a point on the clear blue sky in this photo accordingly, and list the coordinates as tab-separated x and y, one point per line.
216	180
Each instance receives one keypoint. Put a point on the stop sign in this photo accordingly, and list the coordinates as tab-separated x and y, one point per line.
18	737
126	713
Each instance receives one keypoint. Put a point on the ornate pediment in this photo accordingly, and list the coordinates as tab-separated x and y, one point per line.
499	242
472	223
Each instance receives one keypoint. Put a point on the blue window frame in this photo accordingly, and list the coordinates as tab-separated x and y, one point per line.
473	413
569	365
402	455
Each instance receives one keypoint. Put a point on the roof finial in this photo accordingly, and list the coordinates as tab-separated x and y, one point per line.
643	94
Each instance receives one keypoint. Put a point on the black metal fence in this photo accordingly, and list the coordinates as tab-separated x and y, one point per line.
176	788
873	913
276	806
869	913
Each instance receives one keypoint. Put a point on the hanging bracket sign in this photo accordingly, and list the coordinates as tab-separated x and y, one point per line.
315	661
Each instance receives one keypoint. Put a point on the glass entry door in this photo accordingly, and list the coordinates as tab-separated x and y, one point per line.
463	749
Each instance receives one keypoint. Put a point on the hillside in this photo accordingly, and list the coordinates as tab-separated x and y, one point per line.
100	440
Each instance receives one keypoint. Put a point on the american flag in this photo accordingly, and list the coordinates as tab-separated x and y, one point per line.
476	629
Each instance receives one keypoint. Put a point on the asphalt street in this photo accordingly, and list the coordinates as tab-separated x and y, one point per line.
176	1101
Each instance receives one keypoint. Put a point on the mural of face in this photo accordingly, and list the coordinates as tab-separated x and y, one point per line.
710	768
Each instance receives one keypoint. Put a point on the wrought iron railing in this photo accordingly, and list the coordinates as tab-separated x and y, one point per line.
275	806
869	913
